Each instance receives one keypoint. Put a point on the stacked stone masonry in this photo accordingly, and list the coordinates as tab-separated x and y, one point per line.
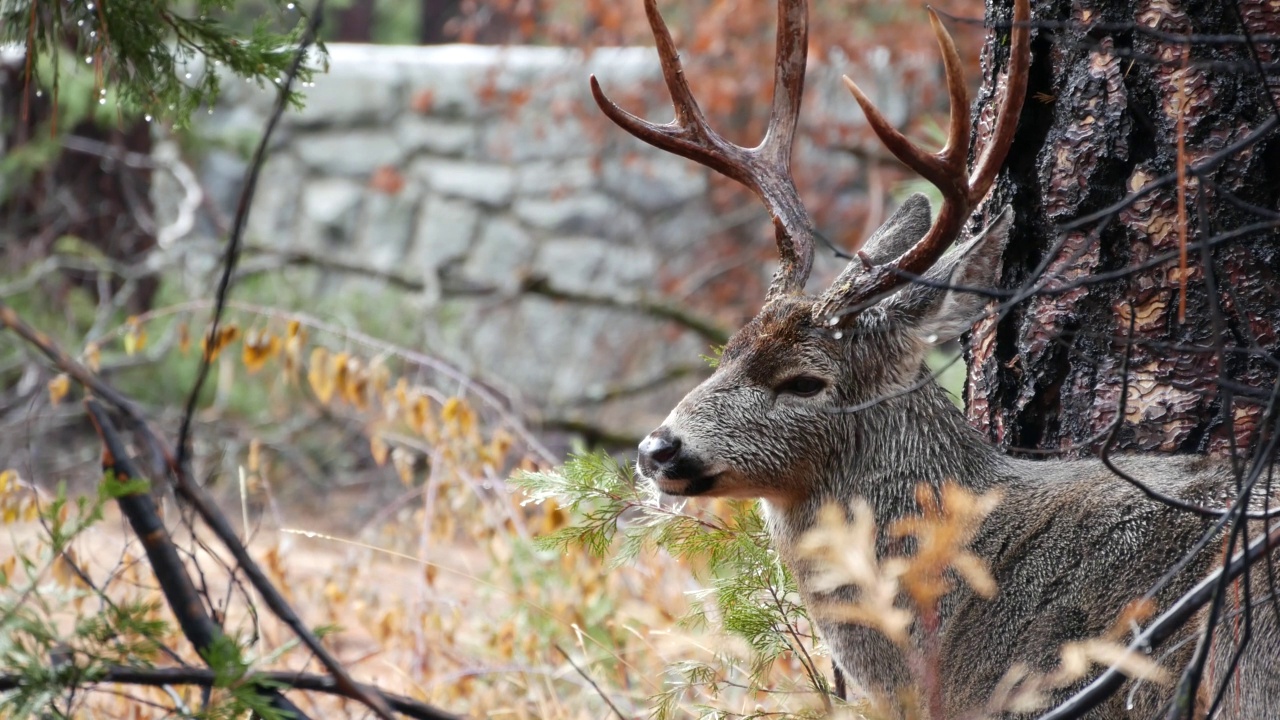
472	169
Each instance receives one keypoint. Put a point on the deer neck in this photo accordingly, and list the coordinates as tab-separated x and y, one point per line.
919	437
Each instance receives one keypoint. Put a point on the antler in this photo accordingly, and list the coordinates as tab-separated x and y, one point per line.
766	168
946	169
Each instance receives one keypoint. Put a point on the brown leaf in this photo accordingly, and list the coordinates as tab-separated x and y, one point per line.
320	376
259	346
378	448
135	336
58	388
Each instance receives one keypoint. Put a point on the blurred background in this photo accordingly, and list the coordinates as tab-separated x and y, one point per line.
454	267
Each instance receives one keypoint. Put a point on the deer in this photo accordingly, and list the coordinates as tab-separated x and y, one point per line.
824	399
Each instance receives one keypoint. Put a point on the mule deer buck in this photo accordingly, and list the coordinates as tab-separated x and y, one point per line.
821	400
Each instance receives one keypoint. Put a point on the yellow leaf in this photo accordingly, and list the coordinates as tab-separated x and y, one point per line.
379	378
259	347
457	413
6	570
355	384
338	372
184	338
378	447
402	459
255	455
499	446
92	356
227	334
295	339
417	413
135	336
64	572
8	481
58	388
319	376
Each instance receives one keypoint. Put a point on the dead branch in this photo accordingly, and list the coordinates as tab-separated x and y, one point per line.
158	677
180	593
532	285
189	491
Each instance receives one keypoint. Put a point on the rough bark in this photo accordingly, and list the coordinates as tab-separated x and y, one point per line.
1107	103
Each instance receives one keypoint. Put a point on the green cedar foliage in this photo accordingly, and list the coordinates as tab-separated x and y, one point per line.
749	592
155	58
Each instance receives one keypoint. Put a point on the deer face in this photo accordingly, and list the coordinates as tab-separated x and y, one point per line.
776	413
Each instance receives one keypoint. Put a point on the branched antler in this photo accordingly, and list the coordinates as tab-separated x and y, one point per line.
766	168
946	169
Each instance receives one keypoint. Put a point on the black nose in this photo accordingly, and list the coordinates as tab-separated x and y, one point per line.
661	448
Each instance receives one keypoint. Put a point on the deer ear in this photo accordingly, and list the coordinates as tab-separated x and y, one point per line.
898	234
950	300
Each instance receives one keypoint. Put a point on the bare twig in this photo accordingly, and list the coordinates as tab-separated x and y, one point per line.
153	677
1078	705
140	510
533	285
240	222
592	682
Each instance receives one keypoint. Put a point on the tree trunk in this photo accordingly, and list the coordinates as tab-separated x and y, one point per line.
95	193
433	22
354	23
1093	176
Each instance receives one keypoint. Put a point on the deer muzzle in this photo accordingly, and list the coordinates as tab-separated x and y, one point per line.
664	460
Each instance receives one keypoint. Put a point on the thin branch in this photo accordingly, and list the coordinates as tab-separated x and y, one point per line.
179	592
1182	611
159	677
240	222
592	682
533	285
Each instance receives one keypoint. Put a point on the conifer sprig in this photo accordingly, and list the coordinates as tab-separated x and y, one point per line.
156	58
750	595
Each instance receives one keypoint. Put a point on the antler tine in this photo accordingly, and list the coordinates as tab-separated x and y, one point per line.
945	169
765	169
993	155
791	53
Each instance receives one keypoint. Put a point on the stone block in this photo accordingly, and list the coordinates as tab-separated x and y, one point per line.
353	92
552	177
273	219
486	183
418	133
652	182
387	227
502	255
593	266
444	233
583	214
541	133
348	153
330	214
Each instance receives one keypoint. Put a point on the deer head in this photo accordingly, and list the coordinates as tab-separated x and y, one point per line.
773	419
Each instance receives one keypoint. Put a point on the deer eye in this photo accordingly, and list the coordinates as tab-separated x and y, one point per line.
802	386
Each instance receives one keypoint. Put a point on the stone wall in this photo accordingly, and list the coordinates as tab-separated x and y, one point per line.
478	174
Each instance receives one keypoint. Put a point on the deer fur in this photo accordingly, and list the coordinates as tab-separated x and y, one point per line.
1069	545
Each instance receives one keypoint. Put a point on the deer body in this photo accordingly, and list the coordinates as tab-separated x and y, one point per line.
1070	544
824	400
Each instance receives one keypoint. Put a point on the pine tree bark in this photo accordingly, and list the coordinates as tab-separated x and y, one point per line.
1115	94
